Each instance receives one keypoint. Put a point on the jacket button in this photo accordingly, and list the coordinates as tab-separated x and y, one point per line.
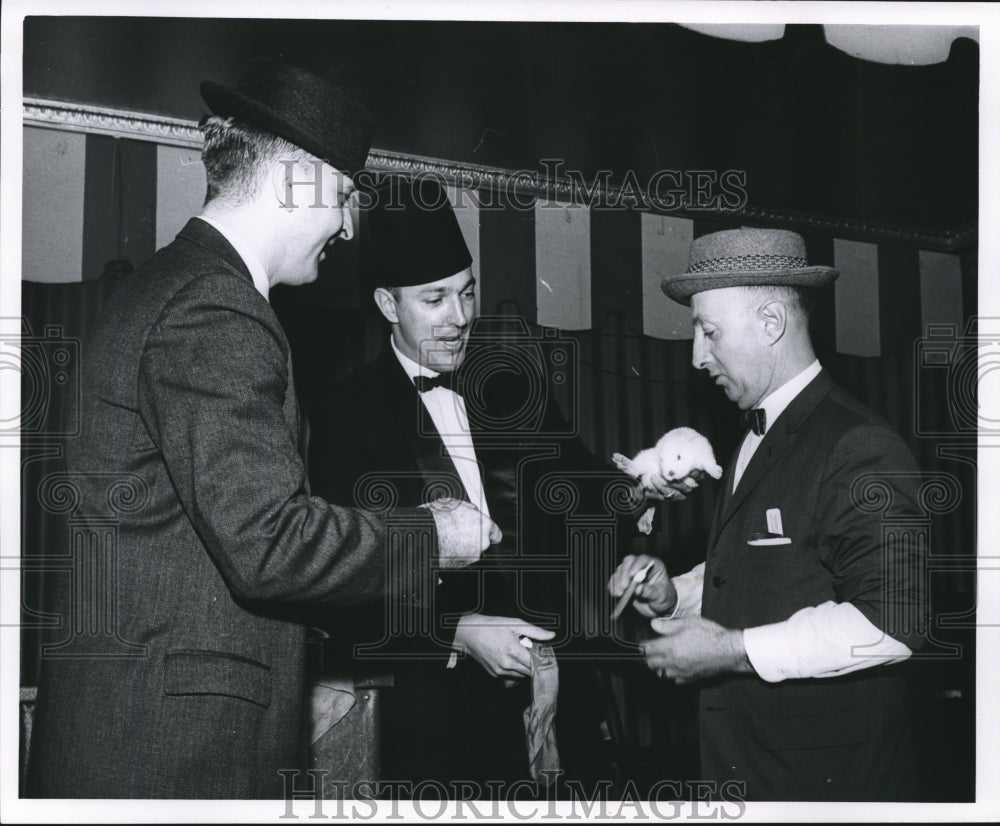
717	581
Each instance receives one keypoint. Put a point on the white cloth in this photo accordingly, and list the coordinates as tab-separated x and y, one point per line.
447	411
331	698
818	641
257	271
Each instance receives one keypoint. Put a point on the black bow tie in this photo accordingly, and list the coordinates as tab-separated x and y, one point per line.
425	383
754	419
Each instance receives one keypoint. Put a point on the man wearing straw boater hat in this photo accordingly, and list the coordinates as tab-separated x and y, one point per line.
792	623
188	680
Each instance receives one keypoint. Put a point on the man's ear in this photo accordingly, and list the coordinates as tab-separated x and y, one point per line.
386	304
774	315
296	183
278	177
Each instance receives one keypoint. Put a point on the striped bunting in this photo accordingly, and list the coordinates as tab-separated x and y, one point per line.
90	198
180	190
53	191
857	298
562	266
665	245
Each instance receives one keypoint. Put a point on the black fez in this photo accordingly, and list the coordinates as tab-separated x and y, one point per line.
412	236
313	113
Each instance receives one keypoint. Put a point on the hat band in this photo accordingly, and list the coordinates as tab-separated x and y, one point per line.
748	263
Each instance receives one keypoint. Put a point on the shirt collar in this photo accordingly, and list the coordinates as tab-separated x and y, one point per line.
409	365
776	402
253	263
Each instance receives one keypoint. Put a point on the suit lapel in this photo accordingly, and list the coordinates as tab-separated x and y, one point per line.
779	436
403	414
724	497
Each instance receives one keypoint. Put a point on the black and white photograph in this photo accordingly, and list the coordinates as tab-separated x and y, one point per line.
555	411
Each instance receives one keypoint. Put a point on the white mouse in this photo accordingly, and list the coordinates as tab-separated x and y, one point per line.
676	455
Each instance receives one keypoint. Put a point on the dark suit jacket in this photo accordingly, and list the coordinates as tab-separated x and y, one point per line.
841	738
188	464
448	724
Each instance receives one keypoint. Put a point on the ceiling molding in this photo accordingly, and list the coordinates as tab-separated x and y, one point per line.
116	123
515	186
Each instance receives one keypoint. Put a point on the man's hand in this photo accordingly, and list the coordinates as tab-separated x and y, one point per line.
495	643
463	530
653	596
673	489
694	648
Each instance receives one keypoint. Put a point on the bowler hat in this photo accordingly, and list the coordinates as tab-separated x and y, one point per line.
311	112
745	258
412	235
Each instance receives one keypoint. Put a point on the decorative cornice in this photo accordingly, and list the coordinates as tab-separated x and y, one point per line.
116	123
516	187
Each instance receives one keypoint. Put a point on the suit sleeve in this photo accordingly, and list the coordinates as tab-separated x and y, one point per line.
595	476
878	616
213	382
870	470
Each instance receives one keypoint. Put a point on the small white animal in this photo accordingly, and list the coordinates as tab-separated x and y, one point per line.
676	455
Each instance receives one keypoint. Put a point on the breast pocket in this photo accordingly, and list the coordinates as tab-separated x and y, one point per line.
190	671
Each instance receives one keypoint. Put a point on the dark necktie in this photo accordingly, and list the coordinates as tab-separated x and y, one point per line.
425	383
754	419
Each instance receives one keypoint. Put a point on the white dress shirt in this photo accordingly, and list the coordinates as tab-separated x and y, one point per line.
773	406
253	263
817	641
447	411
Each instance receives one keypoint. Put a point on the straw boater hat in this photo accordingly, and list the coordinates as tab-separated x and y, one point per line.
310	111
745	258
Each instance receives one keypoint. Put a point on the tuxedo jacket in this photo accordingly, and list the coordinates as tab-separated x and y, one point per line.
837	473
180	673
371	434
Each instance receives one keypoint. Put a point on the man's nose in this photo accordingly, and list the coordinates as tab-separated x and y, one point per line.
457	314
698	354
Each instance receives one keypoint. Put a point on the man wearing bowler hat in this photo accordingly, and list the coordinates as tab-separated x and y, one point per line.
793	623
190	454
435	411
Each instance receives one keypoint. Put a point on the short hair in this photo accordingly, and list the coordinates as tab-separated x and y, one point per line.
802	299
237	156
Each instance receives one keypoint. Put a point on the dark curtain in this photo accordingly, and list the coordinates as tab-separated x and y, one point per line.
56	319
627	390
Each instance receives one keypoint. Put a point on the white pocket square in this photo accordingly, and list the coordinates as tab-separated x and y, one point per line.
771	540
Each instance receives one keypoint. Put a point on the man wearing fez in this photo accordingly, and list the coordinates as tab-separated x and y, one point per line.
418	422
793	622
190	441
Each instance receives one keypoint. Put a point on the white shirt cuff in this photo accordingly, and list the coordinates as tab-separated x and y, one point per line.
689	587
820	641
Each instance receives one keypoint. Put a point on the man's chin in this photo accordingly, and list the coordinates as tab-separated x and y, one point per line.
299	278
